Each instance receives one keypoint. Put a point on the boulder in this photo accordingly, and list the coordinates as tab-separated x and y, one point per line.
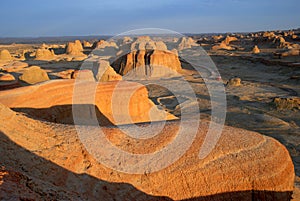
5	55
33	75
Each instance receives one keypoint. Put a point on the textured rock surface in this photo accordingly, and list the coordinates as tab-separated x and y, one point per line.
33	75
145	64
43	161
57	105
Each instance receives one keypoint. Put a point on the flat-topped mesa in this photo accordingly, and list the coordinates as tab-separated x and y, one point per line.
5	55
57	104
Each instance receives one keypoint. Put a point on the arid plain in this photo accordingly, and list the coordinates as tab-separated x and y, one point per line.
257	156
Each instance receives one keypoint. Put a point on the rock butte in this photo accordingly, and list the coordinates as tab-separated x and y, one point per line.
58	99
41	163
148	63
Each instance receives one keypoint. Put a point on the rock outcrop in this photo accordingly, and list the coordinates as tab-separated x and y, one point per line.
148	64
222	46
235	82
292	102
74	48
255	50
87	44
60	97
5	55
186	43
39	162
6	77
33	75
103	44
44	54
16	66
83	75
105	73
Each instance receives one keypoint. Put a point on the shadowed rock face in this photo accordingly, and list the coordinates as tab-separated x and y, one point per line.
148	63
41	161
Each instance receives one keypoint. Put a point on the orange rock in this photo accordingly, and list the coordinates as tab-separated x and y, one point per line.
106	72
15	66
255	50
44	54
60	92
52	162
33	75
74	48
6	77
145	64
5	55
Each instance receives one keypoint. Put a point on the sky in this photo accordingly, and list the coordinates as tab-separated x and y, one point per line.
35	18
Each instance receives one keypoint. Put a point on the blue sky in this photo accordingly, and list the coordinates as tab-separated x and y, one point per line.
19	18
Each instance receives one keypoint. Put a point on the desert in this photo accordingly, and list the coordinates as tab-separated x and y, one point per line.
150	113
